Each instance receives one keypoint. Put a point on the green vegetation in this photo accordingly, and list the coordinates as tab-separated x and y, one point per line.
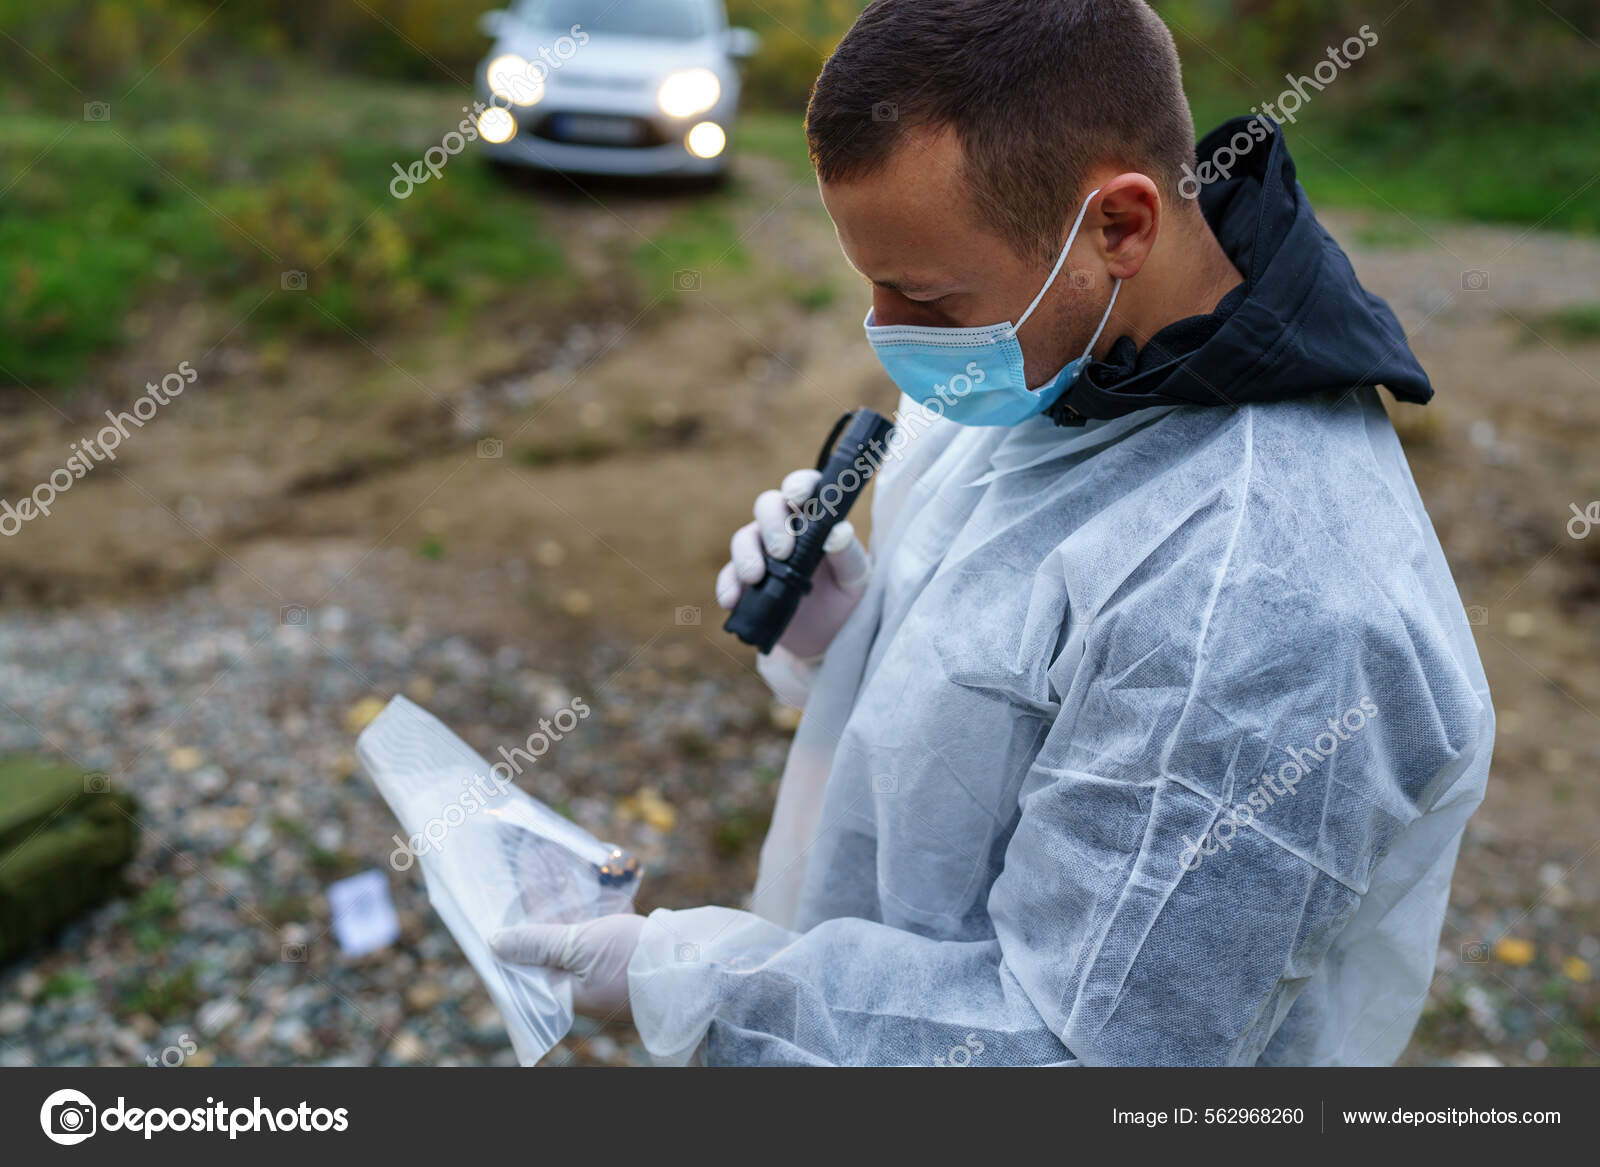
67	983
1578	324
274	197
777	135
701	237
153	917
247	143
163	994
1469	142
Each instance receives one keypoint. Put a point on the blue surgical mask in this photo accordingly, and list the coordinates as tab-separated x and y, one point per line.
975	376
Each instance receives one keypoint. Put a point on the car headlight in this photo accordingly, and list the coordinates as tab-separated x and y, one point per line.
497	125
706	140
689	92
513	79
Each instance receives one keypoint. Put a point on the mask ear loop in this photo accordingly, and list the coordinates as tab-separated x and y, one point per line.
1089	348
1061	259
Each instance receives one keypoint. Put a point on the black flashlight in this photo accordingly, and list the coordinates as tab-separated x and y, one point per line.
765	608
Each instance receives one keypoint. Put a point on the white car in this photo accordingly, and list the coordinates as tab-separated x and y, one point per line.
624	87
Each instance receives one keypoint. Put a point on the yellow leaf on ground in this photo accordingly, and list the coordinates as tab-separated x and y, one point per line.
648	805
360	715
185	758
1513	951
1575	968
784	717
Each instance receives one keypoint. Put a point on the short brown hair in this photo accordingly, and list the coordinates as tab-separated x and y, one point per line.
1037	91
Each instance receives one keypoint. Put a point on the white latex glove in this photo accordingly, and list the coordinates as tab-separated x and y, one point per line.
596	953
836	586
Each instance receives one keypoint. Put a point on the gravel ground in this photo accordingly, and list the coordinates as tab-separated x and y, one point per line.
234	731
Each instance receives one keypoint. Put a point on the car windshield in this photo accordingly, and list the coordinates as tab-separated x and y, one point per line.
673	19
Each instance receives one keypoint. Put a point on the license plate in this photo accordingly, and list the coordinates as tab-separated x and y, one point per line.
579	127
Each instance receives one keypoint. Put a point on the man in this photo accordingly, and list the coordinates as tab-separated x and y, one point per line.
1150	734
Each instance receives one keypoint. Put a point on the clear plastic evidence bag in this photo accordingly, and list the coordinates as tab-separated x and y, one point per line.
492	856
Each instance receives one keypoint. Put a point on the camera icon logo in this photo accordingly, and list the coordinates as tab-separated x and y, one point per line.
293	281
97	782
293	953
1081	279
686	616
1477	615
687	953
68	1117
491	448
884	784
96	111
686	280
885	111
1476	280
293	615
1477	952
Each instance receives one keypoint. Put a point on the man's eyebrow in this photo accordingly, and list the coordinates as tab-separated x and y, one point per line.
903	289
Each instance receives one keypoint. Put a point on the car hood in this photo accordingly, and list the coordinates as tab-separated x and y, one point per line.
616	61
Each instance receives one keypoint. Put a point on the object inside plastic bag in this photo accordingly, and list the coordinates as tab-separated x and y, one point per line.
492	856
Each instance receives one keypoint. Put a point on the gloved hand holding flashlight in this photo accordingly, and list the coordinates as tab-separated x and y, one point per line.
836	587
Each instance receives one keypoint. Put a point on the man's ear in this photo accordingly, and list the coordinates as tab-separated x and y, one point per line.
1129	219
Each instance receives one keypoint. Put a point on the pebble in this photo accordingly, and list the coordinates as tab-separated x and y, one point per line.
407	1048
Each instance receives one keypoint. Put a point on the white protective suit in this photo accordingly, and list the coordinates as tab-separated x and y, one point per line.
1017	825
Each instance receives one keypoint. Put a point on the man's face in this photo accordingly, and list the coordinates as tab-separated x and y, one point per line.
912	230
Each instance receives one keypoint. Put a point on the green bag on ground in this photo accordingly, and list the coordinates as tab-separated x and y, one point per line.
64	840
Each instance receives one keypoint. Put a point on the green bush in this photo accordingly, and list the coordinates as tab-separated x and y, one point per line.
173	197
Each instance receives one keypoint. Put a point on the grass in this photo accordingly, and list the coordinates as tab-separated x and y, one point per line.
66	984
778	135
1473	140
163	994
227	192
698	242
1575	324
153	917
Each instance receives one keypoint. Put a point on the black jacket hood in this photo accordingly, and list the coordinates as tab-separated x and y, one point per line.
1300	324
